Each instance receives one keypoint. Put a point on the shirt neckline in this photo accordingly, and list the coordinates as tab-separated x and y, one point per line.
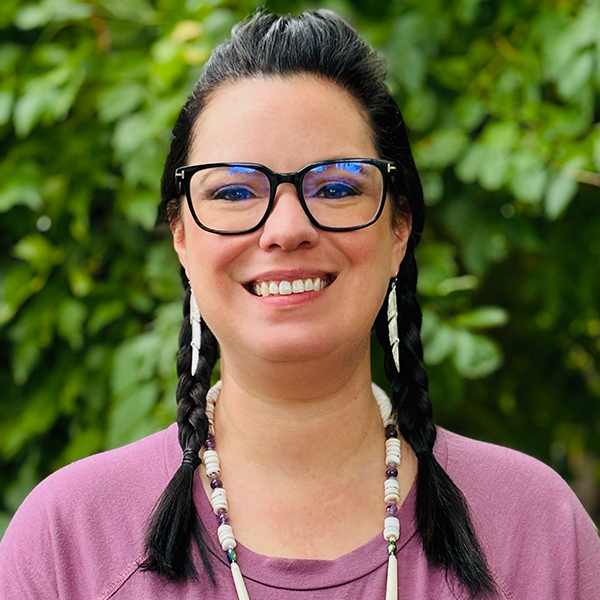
303	574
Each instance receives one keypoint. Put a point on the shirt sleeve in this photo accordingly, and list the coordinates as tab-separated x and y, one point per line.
27	553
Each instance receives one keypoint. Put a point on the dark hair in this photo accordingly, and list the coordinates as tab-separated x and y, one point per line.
321	44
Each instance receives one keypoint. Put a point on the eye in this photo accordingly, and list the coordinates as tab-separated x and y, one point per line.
232	193
335	190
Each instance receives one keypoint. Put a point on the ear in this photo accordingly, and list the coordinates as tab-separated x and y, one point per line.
401	229
178	231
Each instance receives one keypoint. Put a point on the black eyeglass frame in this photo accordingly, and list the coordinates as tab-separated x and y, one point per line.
183	177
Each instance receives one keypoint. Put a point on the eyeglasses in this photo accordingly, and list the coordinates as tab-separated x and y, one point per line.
336	195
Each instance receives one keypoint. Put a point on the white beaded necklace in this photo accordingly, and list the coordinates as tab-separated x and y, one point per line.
391	527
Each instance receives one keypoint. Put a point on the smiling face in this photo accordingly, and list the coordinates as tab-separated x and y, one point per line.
254	290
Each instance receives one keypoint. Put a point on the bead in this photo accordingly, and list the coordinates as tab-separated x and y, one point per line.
391	509
219	500
391	432
392	452
209	442
231	555
223	518
226	537
211	462
391	472
392	547
392	491
216	483
385	406
391	528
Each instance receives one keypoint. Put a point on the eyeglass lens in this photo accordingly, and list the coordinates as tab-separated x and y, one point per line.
236	197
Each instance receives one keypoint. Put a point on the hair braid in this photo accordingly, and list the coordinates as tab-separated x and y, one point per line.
175	522
442	514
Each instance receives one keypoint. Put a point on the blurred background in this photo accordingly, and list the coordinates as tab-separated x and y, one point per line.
502	102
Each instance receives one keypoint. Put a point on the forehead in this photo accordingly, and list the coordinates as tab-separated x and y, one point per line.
283	123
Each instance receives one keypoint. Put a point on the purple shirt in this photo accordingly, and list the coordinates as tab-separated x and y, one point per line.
79	535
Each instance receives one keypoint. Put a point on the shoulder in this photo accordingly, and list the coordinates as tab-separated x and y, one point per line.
87	521
480	466
539	540
122	468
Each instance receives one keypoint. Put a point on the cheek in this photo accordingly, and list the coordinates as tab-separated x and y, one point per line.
212	261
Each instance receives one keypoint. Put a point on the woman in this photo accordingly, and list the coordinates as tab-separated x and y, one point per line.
295	209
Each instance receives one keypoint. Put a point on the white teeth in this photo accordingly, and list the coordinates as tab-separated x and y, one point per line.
285	288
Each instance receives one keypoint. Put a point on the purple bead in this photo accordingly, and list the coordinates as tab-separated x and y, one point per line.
221	511
391	509
216	483
209	442
223	519
391	472
391	432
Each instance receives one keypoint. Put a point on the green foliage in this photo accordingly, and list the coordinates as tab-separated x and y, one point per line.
502	103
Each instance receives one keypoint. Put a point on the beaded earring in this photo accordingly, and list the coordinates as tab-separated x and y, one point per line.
392	316
195	322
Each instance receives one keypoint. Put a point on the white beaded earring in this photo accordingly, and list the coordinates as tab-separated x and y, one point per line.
392	316
196	331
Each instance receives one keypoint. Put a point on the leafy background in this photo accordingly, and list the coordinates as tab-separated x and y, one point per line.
502	102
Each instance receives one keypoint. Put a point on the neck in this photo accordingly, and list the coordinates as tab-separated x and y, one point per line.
281	421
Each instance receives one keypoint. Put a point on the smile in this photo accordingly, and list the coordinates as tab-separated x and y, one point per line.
285	288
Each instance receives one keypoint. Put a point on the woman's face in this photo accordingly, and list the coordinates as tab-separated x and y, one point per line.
285	124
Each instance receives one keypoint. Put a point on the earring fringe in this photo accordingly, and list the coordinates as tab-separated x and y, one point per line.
392	315
195	321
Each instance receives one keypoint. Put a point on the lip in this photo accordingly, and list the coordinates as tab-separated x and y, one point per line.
327	277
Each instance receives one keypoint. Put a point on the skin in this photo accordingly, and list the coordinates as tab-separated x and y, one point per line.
297	428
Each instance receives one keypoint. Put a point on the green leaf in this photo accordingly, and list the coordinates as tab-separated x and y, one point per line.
71	319
120	100
130	413
80	280
577	76
20	191
29	109
529	177
20	283
6	105
38	252
597	150
104	314
440	345
38	15
560	192
469	111
440	149
482	318
437	264
9	55
475	355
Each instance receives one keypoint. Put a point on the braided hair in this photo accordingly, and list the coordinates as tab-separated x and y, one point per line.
321	44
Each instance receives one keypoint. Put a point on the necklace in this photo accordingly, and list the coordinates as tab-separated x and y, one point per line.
391	524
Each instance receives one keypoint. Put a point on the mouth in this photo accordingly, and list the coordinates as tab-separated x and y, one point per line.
285	287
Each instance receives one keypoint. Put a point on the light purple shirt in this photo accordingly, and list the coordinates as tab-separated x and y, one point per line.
79	535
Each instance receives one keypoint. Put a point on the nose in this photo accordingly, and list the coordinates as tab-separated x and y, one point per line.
287	225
